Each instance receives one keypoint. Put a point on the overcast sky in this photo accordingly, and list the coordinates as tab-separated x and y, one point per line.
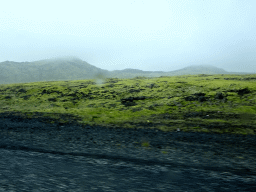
151	35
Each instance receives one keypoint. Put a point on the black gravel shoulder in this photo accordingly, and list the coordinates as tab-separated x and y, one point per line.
235	153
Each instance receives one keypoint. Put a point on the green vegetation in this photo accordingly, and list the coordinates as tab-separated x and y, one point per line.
145	144
192	103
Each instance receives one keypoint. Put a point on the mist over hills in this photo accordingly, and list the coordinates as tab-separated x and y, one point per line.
72	68
206	69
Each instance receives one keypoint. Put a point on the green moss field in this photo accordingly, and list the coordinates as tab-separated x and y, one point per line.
224	104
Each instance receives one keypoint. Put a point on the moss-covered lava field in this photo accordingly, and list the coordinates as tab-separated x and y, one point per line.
190	103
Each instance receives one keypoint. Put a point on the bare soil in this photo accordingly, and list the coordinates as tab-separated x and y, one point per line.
220	153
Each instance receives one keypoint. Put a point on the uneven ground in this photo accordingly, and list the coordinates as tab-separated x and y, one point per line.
198	103
133	121
172	161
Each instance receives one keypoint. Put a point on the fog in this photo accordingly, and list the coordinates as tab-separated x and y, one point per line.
150	35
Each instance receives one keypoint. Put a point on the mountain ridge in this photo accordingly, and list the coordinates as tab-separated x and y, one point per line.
73	68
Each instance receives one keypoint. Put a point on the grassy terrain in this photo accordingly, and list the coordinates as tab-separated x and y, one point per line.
195	103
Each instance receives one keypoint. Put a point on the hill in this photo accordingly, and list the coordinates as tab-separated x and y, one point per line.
201	69
60	69
47	70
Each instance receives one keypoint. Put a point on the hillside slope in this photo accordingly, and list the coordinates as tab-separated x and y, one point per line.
47	70
76	69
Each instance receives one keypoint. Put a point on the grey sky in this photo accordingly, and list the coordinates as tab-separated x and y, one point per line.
151	35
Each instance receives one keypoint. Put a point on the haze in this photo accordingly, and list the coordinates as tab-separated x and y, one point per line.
150	35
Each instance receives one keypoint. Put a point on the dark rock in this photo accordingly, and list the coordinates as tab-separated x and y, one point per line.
231	78
241	92
26	97
219	95
248	78
194	114
22	91
197	97
151	107
129	103
224	100
190	98
52	99
72	95
134	90
202	98
232	90
199	94
130	99
8	97
153	85
50	92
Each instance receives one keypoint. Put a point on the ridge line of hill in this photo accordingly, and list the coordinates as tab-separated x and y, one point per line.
60	69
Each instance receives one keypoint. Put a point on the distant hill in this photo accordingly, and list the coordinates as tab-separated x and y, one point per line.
61	69
47	70
201	69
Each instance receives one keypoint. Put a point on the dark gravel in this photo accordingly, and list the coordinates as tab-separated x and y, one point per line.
201	151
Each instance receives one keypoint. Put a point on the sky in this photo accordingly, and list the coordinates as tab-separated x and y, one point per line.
150	35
